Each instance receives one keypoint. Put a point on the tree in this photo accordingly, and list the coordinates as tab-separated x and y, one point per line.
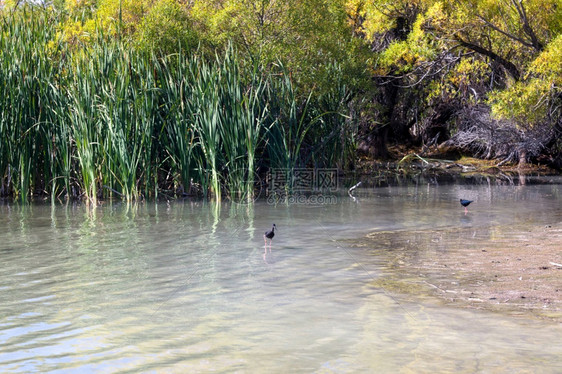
167	27
436	58
307	36
161	25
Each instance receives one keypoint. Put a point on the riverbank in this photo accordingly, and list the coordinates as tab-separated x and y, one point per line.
514	270
402	159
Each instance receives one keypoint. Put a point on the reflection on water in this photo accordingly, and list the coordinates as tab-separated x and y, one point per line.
184	288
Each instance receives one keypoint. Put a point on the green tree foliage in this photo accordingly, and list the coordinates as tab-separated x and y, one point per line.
167	27
445	56
161	25
307	36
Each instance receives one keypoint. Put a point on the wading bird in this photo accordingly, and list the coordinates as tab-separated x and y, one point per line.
465	203
269	235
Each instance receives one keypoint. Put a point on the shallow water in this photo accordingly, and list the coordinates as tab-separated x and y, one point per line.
186	287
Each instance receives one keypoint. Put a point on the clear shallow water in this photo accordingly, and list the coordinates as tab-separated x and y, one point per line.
186	287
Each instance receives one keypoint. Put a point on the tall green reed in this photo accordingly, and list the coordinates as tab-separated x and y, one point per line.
127	105
177	116
102	120
25	97
207	122
58	135
334	130
85	130
311	130
213	119
243	113
289	122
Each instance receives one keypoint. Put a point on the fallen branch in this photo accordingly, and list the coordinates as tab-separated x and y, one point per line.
409	157
349	192
555	264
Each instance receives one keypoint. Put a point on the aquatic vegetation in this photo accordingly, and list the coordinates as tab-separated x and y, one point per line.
106	121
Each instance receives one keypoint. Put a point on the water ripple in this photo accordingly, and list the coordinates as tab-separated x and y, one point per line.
188	288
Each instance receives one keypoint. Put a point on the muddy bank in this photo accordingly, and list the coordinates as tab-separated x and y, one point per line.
508	269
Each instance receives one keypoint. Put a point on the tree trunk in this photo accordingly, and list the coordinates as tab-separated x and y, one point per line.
522	158
375	144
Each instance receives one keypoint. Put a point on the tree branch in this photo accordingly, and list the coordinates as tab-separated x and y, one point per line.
508	65
526	26
505	33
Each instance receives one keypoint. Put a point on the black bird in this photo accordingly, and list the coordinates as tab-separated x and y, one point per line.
269	235
465	203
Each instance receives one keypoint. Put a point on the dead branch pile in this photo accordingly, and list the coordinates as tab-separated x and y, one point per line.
485	137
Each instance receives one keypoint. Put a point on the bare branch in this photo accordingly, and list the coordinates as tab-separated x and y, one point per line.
511	36
527	27
517	5
487	137
508	65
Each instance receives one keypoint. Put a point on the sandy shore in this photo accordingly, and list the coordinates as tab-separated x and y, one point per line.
510	270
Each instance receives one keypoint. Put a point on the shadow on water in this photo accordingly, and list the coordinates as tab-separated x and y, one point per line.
420	176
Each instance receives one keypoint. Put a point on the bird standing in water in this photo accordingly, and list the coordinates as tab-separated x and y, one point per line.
465	203
269	235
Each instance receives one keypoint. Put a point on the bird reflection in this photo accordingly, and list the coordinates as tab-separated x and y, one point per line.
466	219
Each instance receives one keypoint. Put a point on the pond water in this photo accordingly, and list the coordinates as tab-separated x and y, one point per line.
186	287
